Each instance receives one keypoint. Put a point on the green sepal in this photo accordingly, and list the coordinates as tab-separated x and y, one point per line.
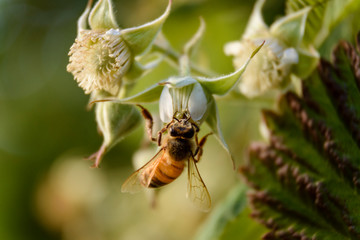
179	82
152	93
189	49
140	38
82	22
116	120
256	26
290	29
191	46
224	84
137	70
213	122
149	95
102	16
308	60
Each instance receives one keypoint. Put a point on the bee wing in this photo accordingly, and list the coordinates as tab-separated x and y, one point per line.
133	183
197	191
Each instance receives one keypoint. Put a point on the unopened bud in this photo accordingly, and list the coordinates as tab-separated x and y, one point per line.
115	121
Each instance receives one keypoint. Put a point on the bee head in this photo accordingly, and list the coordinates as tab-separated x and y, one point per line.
182	128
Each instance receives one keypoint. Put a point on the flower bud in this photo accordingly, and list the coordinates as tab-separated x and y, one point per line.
115	121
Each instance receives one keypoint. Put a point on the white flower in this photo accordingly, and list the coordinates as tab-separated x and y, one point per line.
189	98
99	60
272	66
269	69
103	54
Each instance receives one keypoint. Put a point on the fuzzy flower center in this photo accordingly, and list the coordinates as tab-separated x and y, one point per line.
270	68
99	60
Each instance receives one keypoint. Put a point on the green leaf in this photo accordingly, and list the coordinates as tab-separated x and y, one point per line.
307	180
323	17
224	84
139	39
291	28
315	16
102	16
224	213
336	11
243	226
214	123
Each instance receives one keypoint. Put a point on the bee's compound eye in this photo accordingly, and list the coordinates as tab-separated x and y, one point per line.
173	132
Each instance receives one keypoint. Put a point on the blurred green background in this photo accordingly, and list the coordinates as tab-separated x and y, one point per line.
47	190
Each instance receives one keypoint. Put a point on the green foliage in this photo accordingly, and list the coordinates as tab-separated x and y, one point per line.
225	212
323	17
307	178
230	219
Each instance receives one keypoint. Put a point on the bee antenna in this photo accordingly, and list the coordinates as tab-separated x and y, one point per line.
187	115
175	113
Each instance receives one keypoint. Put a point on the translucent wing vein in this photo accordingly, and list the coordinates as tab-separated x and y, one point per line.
197	191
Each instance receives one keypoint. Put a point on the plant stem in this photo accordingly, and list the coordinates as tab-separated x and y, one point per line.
174	57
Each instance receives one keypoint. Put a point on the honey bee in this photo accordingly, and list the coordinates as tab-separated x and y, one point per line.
180	147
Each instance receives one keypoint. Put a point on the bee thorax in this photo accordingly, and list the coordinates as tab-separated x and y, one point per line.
179	149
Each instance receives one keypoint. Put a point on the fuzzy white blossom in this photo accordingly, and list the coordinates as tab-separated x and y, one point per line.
272	66
99	59
269	69
103	54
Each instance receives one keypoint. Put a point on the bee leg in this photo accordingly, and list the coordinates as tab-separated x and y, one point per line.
200	145
148	122
160	133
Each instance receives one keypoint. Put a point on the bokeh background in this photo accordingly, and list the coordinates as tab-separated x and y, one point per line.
47	189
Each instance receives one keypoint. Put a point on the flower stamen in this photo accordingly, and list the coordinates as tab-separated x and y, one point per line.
98	60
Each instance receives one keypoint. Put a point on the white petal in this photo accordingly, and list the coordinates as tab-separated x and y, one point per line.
233	48
197	104
166	106
290	56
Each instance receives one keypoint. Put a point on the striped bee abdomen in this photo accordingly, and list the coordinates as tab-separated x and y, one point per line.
166	172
